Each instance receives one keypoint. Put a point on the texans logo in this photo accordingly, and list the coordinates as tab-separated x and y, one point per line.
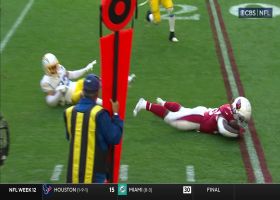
47	189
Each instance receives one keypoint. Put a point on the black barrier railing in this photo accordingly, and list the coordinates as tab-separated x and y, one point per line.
141	191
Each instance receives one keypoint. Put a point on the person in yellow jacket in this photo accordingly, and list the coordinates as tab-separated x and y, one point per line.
91	131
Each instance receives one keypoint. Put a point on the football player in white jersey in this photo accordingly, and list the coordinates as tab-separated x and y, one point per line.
58	84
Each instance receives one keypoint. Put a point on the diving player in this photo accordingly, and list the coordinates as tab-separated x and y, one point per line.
226	120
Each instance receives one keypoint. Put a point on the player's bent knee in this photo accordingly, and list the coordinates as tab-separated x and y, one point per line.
75	98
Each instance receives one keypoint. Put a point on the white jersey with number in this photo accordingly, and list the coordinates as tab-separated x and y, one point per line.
50	83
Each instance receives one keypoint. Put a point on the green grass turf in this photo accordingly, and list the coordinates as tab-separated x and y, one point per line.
9	12
256	47
177	72
187	72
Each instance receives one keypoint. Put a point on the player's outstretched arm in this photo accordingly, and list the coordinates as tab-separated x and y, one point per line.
79	73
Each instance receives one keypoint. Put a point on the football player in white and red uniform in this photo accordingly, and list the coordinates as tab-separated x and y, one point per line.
226	120
58	84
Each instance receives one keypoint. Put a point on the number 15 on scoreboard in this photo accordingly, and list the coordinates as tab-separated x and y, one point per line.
112	189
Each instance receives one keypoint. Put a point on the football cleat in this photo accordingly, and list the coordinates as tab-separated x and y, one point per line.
148	16
172	37
141	104
131	78
160	101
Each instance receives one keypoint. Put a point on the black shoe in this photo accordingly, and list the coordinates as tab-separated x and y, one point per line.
172	37
147	16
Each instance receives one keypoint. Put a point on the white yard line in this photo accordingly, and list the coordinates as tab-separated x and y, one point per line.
190	173
56	172
143	3
18	21
124	172
233	85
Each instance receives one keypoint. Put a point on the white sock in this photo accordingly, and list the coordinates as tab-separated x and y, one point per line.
143	104
160	101
172	23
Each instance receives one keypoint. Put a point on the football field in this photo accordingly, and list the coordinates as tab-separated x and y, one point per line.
218	57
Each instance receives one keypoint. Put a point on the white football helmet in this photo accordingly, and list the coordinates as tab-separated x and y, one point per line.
50	64
241	108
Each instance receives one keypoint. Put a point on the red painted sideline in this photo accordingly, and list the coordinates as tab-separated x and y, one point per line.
253	132
257	145
243	149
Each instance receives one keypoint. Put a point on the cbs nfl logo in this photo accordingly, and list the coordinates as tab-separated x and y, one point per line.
255	13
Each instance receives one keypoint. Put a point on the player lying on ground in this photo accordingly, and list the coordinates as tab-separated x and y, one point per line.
228	119
58	85
153	15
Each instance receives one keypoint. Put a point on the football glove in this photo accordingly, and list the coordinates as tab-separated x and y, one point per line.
90	66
